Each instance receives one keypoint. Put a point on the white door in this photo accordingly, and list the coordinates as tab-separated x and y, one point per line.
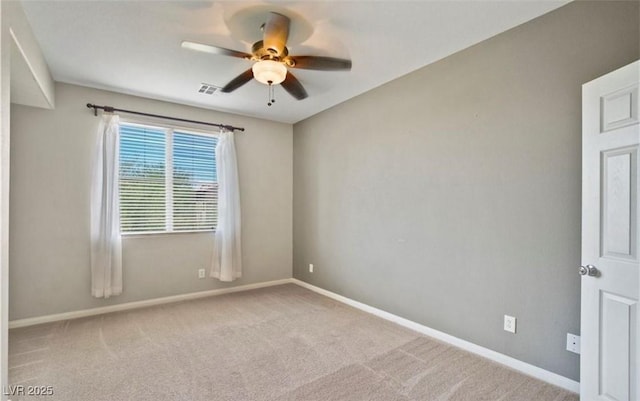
610	323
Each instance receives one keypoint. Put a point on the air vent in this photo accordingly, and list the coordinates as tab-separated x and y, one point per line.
208	89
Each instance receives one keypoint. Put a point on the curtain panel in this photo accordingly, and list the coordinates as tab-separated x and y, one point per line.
226	264
106	242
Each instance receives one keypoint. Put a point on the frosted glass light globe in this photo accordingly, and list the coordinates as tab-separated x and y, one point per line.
269	72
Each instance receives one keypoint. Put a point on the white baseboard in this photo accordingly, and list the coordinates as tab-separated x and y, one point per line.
526	368
140	304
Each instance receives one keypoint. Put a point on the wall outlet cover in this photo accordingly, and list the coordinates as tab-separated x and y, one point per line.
201	273
573	343
310	267
509	324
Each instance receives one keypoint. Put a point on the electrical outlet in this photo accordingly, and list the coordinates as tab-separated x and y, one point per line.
573	343
201	273
310	267
509	324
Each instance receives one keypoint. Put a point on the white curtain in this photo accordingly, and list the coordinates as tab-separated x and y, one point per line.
227	264
106	243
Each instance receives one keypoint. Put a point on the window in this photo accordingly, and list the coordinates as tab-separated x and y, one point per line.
168	180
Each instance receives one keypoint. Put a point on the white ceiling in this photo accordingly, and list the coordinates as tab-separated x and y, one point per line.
134	46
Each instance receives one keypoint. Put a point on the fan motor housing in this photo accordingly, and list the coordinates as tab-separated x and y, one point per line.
260	53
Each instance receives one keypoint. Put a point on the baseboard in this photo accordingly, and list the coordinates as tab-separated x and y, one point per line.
526	368
140	304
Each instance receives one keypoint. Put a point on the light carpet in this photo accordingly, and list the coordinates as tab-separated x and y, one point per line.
273	344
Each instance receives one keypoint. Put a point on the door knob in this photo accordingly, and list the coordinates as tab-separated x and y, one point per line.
589	270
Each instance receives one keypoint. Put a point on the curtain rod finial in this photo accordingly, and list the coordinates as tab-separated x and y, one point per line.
94	107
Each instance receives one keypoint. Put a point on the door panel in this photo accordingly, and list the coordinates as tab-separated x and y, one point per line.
619	109
618	197
618	332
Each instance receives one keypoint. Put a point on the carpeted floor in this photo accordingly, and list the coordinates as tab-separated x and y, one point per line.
276	344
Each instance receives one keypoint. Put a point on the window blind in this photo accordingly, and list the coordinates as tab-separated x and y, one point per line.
142	179
168	180
195	188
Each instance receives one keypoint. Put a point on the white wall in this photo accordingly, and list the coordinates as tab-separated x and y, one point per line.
31	81
17	43
49	216
4	195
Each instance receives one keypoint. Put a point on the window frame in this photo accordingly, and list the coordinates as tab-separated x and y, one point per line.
169	129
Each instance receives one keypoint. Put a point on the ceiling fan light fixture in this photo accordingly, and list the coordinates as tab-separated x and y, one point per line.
269	72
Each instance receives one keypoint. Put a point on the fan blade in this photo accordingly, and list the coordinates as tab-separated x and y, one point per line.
214	50
321	63
238	81
294	87
276	33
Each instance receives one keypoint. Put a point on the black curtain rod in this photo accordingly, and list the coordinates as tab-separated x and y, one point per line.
110	109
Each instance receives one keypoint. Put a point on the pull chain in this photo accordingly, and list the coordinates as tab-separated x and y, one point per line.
271	98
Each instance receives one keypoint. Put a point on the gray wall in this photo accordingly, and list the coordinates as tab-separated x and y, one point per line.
451	196
49	214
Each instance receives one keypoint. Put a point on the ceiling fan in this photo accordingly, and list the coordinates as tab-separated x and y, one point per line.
272	60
